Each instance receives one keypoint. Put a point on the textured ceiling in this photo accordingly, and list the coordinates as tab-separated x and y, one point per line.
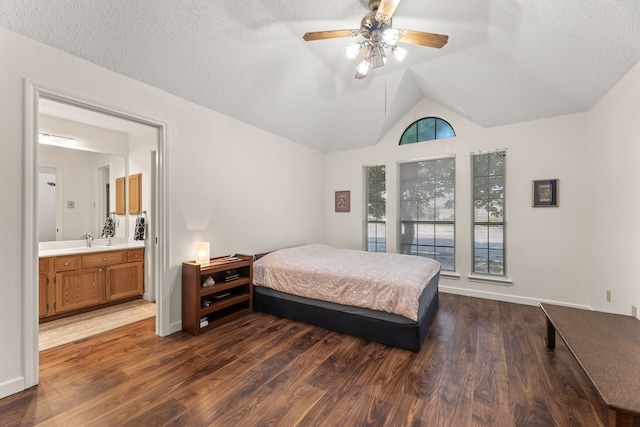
506	61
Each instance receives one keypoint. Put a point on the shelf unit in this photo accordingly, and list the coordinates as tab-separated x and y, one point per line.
220	303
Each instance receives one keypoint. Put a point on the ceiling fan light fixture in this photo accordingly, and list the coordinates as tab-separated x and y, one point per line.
352	50
379	36
377	57
363	69
390	36
399	52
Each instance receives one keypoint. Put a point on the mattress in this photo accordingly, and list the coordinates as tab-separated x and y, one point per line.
383	282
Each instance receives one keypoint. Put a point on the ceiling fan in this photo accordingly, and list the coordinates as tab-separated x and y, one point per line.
378	34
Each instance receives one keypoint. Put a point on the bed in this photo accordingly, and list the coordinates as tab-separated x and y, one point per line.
388	298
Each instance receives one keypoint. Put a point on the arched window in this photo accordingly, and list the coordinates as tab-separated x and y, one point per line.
427	129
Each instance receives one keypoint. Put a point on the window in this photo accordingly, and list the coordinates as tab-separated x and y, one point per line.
488	218
376	211
427	129
427	210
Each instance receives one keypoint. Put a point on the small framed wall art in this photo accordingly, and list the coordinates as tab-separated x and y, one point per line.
343	202
545	193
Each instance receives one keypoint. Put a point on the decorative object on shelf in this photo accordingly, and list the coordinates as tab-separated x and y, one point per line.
545	193
202	253
208	282
221	296
343	201
231	275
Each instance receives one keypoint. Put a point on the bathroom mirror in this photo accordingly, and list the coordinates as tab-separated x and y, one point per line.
76	192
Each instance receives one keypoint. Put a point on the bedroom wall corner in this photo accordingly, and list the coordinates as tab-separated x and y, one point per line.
614	233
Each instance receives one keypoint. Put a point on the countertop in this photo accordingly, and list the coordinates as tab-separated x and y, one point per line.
99	247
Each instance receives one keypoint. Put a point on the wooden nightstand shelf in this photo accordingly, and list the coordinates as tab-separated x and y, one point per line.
231	296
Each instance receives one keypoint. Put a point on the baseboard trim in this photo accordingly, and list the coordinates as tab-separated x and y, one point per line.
507	298
175	327
13	386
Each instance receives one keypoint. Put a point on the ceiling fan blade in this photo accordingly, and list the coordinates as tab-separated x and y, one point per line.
385	10
332	34
423	39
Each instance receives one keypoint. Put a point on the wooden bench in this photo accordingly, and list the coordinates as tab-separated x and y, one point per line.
607	347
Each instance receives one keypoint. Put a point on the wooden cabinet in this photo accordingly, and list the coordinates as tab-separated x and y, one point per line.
135	194
205	307
124	280
74	283
44	274
76	289
120	196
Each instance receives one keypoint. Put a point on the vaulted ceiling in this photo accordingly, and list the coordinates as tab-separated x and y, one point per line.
506	61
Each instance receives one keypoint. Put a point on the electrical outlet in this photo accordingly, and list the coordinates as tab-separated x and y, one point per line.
634	311
608	295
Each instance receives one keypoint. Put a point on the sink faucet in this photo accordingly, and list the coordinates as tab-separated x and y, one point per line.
87	238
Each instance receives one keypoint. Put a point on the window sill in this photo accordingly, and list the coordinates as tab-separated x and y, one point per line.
502	281
449	274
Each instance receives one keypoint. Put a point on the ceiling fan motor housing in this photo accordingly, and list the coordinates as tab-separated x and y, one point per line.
369	24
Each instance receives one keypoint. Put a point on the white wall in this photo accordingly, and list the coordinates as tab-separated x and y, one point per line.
240	188
547	247
614	186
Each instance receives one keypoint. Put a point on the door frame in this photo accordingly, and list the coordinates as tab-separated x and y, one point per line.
159	246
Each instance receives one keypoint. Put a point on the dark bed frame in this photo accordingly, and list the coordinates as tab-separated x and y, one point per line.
402	333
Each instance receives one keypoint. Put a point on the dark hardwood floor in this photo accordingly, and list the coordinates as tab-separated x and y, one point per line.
484	363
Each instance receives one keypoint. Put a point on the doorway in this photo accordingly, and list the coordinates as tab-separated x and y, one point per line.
48	202
155	249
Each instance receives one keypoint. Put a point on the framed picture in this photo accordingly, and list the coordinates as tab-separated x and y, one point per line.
343	202
545	193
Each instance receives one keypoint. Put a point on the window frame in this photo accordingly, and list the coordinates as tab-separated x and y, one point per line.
488	275
366	220
433	222
438	122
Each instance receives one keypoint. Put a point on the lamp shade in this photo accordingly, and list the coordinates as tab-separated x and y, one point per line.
202	253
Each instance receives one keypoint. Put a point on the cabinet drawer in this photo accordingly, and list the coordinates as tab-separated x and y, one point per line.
103	258
134	255
64	263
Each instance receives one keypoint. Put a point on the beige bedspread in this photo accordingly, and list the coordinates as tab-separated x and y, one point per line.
379	281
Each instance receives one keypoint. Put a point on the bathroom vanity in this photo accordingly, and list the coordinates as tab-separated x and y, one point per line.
76	280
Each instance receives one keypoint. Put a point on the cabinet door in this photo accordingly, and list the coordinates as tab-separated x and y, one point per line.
135	194
78	289
124	280
43	284
120	195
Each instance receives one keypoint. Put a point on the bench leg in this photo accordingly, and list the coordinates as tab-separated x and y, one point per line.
620	419
551	335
